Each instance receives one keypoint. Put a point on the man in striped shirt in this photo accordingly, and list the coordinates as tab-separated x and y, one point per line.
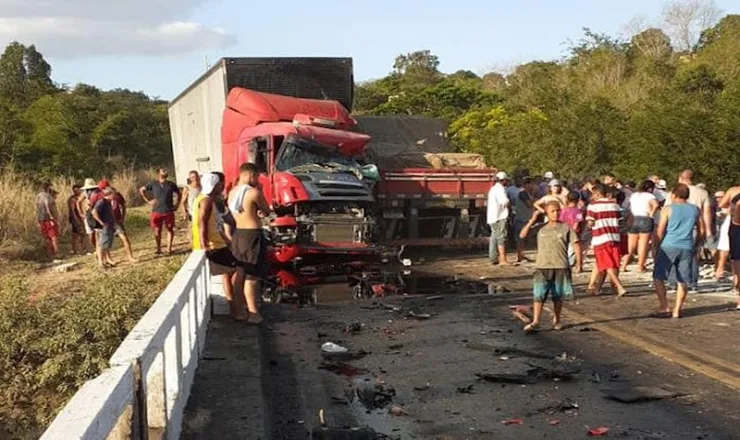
603	218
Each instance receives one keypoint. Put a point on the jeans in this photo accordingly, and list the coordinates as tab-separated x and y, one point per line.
499	233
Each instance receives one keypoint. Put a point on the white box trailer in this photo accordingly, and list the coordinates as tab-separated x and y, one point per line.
195	115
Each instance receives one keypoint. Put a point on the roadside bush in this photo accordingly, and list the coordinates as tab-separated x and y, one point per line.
49	347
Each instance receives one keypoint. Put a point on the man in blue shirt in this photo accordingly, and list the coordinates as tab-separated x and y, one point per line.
677	246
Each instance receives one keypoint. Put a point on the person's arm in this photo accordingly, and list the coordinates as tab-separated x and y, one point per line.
228	234
258	198
653	206
576	243
532	220
177	196
204	208
47	208
143	192
185	192
663	224
96	214
124	210
706	214
539	205
729	195
701	229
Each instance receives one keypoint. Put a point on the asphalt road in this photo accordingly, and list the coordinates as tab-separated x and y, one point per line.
415	363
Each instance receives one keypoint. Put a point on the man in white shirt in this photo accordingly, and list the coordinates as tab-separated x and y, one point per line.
498	214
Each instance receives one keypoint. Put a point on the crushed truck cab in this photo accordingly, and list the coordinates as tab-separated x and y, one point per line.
322	197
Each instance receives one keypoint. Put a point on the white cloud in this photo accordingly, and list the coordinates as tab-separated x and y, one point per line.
81	28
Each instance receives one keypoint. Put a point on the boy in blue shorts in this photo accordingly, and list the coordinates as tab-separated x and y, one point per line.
552	274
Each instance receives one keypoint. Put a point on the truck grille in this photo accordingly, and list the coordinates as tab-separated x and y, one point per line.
334	233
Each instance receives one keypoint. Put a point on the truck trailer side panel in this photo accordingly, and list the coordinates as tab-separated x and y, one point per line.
195	124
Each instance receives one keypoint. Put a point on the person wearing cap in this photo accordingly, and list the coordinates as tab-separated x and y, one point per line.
498	216
84	205
164	201
545	183
102	213
556	193
208	237
48	218
659	193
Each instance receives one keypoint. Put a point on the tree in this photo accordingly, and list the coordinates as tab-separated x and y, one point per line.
685	20
13	76
652	43
418	69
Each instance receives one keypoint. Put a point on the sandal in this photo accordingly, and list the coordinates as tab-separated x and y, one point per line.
557	327
531	328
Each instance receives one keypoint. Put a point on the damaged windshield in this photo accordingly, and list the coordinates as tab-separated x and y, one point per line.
300	153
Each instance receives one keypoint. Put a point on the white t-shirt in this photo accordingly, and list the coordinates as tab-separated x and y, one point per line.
639	203
498	204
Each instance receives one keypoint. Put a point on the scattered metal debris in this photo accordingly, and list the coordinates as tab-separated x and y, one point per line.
466	390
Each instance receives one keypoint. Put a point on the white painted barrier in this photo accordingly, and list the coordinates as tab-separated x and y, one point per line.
143	393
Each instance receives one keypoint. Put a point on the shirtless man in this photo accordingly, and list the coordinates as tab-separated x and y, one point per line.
248	206
76	221
731	200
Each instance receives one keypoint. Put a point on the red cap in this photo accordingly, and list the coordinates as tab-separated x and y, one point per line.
103	184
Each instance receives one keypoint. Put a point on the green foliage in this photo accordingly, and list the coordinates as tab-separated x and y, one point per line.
81	131
632	107
50	346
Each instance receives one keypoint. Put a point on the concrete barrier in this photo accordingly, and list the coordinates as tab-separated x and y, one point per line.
143	393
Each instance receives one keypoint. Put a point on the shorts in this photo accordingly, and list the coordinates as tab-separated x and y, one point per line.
723	243
105	237
734	242
556	283
672	258
120	229
88	229
49	229
248	247
518	226
641	225
499	232
76	226
607	256
158	219
221	261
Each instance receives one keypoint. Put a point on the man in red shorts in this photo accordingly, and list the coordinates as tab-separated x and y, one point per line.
603	218
48	217
165	198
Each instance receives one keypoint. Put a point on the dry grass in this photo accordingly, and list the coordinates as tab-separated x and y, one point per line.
19	233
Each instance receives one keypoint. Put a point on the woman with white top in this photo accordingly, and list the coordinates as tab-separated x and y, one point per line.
642	206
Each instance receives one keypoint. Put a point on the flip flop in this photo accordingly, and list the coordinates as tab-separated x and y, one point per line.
558	327
531	328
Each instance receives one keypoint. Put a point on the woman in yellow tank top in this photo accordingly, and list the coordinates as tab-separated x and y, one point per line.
215	240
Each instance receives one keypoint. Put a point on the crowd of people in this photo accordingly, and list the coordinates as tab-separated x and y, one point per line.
229	231
679	229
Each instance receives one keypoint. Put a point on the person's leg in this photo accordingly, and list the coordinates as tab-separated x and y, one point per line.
501	241
680	298
251	290
613	274
632	240
170	240
126	245
557	307
536	314
492	245
660	292
540	288
158	237
719	271
226	282
643	241
239	294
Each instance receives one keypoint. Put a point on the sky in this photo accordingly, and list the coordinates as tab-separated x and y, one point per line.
161	46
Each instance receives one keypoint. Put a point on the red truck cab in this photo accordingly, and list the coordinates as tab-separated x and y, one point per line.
322	202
